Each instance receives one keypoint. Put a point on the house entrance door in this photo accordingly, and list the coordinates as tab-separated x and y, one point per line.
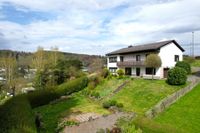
137	71
165	72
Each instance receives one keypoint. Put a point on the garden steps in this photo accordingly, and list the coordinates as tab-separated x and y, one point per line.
102	122
86	117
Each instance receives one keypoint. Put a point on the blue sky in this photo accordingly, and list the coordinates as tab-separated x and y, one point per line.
96	26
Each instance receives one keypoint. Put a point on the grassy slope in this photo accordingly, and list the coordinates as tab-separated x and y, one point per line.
52	113
108	86
184	114
196	63
139	95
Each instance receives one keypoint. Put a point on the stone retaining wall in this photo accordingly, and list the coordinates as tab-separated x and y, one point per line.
166	102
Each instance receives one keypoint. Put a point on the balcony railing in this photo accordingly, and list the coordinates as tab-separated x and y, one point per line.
130	63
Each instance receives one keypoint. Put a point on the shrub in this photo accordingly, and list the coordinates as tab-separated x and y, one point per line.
91	85
72	86
105	73
120	73
177	76
119	105
16	116
95	94
184	65
126	125
108	104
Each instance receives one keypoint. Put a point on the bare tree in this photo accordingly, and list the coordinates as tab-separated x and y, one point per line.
9	64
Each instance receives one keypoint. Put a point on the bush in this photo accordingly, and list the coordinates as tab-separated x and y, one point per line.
95	94
91	85
105	73
177	76
120	73
108	104
184	65
119	105
16	116
72	86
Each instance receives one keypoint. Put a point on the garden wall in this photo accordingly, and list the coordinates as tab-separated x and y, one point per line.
166	102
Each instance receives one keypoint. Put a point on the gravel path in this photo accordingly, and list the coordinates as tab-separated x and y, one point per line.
93	125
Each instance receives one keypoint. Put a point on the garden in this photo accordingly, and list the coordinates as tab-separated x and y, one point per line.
44	110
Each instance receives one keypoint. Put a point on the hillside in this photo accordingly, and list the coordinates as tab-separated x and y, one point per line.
25	58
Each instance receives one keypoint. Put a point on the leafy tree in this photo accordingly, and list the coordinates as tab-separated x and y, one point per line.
153	61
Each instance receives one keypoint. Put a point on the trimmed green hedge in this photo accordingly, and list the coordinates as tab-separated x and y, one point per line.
72	86
41	97
177	76
16	116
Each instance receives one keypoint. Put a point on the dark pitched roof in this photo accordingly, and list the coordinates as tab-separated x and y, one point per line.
146	47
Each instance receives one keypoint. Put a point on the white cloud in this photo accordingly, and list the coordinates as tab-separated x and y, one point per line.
79	26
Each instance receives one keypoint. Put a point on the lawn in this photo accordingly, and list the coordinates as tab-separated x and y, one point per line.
139	94
52	113
108	86
196	63
184	114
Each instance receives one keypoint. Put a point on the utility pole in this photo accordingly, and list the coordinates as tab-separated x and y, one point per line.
192	43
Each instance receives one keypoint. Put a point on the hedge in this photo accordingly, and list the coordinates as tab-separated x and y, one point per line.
16	116
72	86
42	97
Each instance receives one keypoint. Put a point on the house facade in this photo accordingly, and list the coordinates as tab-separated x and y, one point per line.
132	59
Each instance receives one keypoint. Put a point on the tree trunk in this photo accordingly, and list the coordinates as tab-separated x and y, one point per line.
153	71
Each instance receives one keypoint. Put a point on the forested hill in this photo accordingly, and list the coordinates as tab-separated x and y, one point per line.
25	58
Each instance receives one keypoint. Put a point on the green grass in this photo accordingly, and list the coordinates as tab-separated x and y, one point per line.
108	86
140	94
184	114
53	113
196	63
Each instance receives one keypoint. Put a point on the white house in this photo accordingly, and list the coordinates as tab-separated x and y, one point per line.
132	58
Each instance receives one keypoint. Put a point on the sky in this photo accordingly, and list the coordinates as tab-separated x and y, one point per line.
97	26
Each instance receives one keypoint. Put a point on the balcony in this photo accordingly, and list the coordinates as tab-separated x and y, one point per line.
130	63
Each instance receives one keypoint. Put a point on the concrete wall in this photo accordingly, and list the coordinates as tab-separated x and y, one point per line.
166	102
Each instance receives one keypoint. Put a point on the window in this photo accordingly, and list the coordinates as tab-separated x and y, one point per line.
176	58
121	58
112	69
150	70
112	59
137	57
